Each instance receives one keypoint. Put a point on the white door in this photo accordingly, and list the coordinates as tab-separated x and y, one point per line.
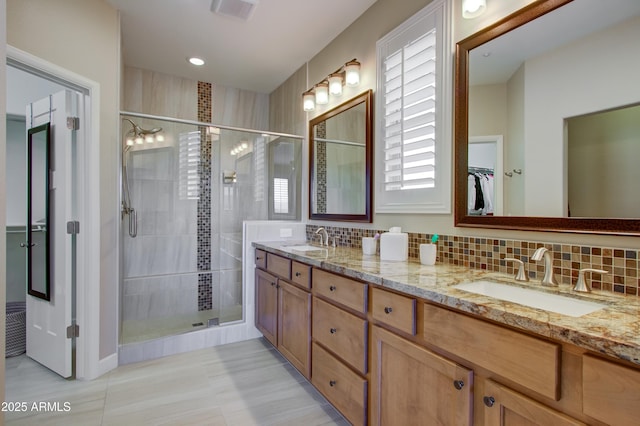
47	320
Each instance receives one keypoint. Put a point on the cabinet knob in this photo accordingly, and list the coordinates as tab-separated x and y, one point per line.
333	330
272	284
458	384
388	309
298	274
332	383
489	401
259	258
277	285
332	288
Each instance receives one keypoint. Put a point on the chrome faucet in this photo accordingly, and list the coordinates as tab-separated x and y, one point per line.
324	237
543	253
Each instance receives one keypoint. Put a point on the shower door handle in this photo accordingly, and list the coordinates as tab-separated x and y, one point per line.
133	223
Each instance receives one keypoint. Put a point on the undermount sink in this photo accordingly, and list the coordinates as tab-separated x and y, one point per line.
305	248
532	298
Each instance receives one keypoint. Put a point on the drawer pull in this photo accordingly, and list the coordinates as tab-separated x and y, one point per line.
259	258
298	274
489	401
333	330
388	309
458	384
332	288
332	383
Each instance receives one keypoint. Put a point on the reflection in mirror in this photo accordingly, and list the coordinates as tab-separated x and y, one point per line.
340	162
38	274
551	87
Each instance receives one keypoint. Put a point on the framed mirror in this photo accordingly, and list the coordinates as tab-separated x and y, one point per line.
340	162
38	216
565	101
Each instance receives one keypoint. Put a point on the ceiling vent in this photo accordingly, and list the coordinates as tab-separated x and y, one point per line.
242	9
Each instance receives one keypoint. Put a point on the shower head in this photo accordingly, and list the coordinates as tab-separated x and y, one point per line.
138	134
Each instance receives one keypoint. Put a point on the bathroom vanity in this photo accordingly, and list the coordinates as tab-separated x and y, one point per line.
399	343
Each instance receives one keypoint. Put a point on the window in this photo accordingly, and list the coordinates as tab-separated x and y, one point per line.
189	161
413	134
280	196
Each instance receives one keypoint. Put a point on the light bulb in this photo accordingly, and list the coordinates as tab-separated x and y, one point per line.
473	8
148	139
308	101
352	73
160	137
322	93
139	140
335	84
130	142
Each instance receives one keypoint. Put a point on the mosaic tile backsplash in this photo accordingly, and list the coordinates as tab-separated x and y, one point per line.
489	253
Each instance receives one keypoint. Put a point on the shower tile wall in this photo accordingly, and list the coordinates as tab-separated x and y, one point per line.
187	256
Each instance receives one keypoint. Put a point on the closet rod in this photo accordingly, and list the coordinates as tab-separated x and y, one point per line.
480	170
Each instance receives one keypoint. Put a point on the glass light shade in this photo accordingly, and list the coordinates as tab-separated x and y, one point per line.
148	139
473	8
335	84
139	140
308	101
196	61
130	142
160	137
352	73
322	93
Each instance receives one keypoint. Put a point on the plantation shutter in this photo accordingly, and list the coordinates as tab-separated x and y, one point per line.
413	152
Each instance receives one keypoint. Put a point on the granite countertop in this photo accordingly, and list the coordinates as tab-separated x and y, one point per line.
613	330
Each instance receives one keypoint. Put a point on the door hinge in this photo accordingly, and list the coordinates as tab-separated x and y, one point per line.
73	227
73	123
73	331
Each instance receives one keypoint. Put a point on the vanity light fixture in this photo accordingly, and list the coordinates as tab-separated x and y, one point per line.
348	74
473	8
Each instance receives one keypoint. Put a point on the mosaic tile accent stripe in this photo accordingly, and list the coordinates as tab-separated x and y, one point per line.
205	291
204	199
321	173
622	265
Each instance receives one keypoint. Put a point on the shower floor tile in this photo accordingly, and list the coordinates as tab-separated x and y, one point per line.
148	329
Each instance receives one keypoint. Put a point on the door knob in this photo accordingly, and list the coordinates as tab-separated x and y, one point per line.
333	331
458	384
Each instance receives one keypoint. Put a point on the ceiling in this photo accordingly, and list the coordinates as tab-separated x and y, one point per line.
495	61
258	54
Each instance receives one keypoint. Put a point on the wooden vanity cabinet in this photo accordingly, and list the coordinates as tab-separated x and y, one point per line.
412	385
611	391
283	312
505	407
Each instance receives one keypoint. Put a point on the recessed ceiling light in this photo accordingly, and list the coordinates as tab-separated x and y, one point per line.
196	61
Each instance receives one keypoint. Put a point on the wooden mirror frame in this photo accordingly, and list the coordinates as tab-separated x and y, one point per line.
461	129
365	98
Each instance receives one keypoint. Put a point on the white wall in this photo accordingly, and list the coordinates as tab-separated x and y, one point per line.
591	77
83	36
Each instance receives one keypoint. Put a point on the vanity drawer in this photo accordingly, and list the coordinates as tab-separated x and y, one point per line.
393	309
346	390
526	360
301	274
610	391
261	259
341	290
279	265
341	332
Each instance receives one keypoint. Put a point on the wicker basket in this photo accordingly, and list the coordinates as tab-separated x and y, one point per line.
16	339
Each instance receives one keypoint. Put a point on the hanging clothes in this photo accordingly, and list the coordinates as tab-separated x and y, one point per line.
480	193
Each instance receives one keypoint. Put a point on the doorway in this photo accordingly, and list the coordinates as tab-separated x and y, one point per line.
87	242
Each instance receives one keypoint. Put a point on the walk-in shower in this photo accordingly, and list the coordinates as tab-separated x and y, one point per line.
187	187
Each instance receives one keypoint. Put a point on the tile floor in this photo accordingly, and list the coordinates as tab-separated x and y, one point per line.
246	383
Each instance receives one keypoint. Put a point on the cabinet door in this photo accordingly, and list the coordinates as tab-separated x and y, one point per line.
294	326
412	385
267	305
504	407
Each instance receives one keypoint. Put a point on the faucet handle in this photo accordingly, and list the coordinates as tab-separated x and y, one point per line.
582	284
521	275
335	239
